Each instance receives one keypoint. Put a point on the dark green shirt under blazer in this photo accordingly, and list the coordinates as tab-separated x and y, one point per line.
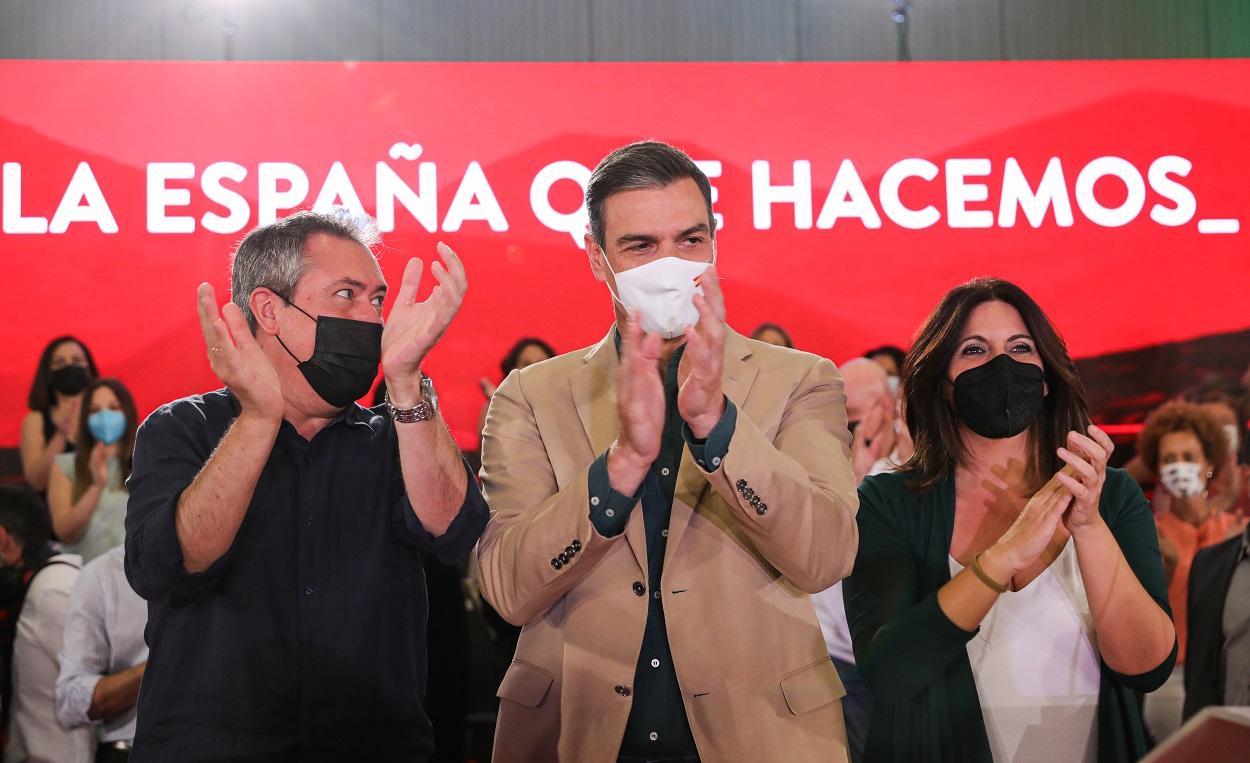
914	660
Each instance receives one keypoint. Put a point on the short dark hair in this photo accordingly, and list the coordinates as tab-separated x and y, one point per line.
24	515
40	397
897	354
508	364
1181	416
645	164
931	417
760	329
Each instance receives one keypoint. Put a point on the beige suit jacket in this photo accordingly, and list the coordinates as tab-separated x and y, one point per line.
751	663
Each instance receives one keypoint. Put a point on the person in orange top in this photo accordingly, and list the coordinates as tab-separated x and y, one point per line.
1185	448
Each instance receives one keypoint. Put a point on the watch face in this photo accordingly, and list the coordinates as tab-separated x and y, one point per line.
427	391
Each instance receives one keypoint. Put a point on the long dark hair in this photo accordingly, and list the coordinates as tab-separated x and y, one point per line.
931	417
87	441
41	392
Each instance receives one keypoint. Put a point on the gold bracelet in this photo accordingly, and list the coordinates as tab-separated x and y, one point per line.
980	573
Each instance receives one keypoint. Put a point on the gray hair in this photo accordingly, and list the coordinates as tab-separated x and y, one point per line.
272	256
646	164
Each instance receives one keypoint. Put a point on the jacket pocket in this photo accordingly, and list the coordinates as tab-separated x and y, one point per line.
525	684
811	687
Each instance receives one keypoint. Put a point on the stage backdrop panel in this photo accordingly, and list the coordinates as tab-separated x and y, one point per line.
851	196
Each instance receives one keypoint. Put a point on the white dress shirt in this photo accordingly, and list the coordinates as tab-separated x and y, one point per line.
35	735
103	636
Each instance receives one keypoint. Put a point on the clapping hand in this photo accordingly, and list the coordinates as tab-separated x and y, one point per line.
413	327
236	358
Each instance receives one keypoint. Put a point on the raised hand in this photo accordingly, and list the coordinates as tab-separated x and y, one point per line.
700	400
1088	462
67	418
867	442
640	408
413	327
98	461
237	359
1032	532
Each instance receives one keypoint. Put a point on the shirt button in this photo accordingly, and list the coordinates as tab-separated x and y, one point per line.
308	590
664	471
622	690
639	588
594	500
655	663
716	461
657	594
609	513
664	533
653	736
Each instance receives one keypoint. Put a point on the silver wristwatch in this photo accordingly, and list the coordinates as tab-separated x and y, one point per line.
425	409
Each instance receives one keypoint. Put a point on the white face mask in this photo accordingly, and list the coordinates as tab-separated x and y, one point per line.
1234	440
662	291
1183	479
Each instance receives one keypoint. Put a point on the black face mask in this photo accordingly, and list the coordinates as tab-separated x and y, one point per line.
1001	398
69	380
850	426
345	358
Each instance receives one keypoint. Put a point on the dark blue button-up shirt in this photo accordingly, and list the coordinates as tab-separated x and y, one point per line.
306	640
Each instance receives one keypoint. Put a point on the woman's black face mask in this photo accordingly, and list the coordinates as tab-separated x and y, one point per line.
1001	398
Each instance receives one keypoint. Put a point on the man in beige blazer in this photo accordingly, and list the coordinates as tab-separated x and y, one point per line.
663	504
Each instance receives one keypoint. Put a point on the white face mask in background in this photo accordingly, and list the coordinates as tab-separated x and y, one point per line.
662	291
1234	439
892	381
1183	479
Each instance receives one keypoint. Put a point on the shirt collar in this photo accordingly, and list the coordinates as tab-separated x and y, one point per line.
616	342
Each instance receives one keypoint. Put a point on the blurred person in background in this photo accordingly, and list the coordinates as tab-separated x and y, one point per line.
87	489
773	334
64	370
1226	400
871	419
44	578
1184	447
103	656
526	352
891	359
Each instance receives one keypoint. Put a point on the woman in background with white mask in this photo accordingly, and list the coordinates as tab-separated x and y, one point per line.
87	490
1185	447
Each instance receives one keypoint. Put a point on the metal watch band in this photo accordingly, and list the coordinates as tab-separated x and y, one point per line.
422	411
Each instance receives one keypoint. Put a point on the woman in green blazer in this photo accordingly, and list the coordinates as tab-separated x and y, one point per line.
1008	600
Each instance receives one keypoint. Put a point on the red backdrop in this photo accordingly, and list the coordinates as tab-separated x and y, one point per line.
128	183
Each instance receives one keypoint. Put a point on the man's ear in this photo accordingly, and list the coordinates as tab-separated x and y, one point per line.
595	255
264	305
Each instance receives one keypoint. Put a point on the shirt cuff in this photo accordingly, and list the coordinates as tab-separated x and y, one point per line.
609	509
73	697
709	453
457	541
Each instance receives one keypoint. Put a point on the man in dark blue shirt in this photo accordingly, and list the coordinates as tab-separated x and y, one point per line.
274	526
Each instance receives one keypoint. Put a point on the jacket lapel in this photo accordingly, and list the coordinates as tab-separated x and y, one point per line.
594	396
